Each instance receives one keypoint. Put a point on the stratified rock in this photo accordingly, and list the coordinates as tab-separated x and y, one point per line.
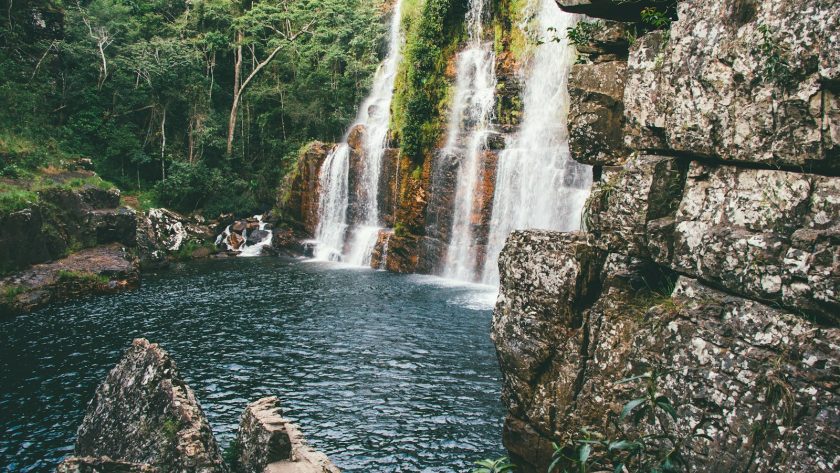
268	442
610	41
144	413
627	198
770	235
708	87
102	465
596	113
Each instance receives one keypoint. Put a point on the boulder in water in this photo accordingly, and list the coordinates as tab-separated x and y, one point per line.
235	240
102	465
238	226
267	442
257	236
145	413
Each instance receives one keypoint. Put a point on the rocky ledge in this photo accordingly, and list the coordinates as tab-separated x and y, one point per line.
144	418
103	269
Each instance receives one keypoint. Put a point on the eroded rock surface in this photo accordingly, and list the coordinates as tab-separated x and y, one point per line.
268	442
708	89
144	413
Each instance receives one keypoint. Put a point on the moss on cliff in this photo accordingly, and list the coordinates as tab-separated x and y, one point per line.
433	31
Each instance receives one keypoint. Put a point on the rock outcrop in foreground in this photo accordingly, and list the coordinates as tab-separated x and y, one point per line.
268	442
144	413
710	268
145	419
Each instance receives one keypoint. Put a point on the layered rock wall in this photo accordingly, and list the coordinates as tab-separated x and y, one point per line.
711	261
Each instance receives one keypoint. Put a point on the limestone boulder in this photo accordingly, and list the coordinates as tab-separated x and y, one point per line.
145	413
102	465
545	280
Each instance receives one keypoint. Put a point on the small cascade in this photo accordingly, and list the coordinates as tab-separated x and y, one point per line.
246	237
469	126
343	235
538	185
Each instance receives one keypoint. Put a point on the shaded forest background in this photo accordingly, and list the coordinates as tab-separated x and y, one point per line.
145	90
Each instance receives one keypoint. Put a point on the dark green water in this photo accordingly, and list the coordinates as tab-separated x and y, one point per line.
384	372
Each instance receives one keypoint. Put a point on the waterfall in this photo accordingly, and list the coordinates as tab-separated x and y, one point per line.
469	126
538	185
352	241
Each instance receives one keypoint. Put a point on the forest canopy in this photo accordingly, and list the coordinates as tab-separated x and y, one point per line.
149	90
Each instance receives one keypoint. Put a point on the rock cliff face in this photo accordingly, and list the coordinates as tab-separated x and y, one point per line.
711	261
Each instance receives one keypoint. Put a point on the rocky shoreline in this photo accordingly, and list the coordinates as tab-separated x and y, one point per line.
145	418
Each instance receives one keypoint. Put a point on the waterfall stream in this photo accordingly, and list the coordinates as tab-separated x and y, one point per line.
469	125
339	238
538	185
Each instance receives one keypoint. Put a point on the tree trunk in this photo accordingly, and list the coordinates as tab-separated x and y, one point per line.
163	145
237	75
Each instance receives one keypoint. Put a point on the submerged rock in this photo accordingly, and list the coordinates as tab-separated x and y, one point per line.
102	465
144	413
268	442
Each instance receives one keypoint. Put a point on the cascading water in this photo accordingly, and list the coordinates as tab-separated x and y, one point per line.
538	185
246	237
468	129
338	239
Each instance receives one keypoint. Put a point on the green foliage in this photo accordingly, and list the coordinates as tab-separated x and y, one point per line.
156	96
655	19
632	448
776	68
231	454
10	292
13	198
433	30
187	250
582	32
81	277
499	465
170	429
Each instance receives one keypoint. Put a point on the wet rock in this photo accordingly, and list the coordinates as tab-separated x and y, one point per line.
239	226
269	442
596	113
103	269
770	235
707	89
379	255
288	242
256	236
298	197
389	186
102	465
144	413
235	241
162	232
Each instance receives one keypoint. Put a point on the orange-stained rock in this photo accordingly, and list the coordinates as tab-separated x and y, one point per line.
300	194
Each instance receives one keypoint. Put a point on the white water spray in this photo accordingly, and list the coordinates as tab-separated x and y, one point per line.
338	241
468	129
538	185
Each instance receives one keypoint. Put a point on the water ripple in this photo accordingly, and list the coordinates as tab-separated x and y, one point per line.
385	373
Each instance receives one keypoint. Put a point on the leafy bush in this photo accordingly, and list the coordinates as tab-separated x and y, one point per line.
632	449
655	19
499	465
776	68
582	32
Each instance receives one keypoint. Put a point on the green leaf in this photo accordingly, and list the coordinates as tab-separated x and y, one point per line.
628	408
666	406
623	445
585	450
619	468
